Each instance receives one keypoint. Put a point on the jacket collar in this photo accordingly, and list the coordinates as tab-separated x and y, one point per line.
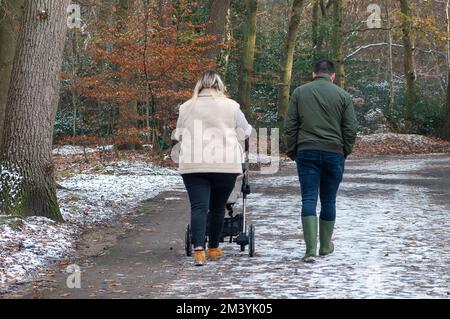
209	92
324	77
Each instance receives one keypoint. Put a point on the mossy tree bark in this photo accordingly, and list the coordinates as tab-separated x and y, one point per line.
10	15
410	74
31	105
315	26
248	55
288	60
338	41
217	26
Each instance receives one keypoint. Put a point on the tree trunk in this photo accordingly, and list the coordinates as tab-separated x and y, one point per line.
10	13
316	34
248	56
128	111
325	6
446	126
165	12
224	57
338	41
76	64
32	101
288	60
391	59
409	68
217	24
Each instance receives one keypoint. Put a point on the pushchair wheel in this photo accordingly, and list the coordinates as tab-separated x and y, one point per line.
188	241
251	240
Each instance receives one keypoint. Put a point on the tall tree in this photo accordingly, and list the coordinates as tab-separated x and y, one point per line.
10	14
126	134
217	25
338	40
409	67
75	65
248	55
320	13
31	107
288	59
316	36
446	126
391	57
165	12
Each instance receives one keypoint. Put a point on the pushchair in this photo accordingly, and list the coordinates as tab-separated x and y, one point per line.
234	228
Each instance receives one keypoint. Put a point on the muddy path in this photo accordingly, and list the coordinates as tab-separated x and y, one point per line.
392	241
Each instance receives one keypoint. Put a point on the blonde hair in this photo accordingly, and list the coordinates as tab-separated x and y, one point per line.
209	80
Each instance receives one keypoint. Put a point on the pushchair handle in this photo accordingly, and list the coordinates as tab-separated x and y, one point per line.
247	144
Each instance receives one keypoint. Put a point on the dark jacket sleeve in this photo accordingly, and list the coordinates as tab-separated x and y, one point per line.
292	125
349	127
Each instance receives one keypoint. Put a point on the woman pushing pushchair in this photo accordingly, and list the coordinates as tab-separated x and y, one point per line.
211	129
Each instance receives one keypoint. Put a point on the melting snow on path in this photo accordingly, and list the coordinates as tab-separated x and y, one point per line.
91	198
392	241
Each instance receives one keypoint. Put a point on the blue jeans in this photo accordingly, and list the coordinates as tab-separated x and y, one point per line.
208	193
320	173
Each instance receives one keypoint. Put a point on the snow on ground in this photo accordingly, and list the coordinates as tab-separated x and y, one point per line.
67	150
27	245
92	197
387	244
413	138
117	189
262	158
405	168
391	242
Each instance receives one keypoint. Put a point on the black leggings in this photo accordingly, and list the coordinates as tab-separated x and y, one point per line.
208	192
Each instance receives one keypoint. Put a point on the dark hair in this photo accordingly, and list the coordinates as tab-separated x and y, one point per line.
324	66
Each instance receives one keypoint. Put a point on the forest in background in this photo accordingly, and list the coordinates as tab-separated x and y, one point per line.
123	78
119	77
111	90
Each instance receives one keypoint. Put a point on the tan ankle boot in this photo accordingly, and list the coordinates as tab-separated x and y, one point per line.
215	253
199	257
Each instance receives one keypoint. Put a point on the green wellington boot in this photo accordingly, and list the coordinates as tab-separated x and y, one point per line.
325	234
309	224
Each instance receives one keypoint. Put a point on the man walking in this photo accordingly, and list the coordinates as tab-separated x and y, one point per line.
320	130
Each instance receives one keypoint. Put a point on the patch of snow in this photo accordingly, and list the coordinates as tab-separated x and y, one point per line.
172	198
96	197
92	197
398	166
11	182
265	159
66	150
411	138
29	245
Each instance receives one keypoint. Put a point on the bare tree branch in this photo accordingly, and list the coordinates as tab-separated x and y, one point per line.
363	47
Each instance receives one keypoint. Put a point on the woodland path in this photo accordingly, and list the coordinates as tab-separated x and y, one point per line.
392	241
